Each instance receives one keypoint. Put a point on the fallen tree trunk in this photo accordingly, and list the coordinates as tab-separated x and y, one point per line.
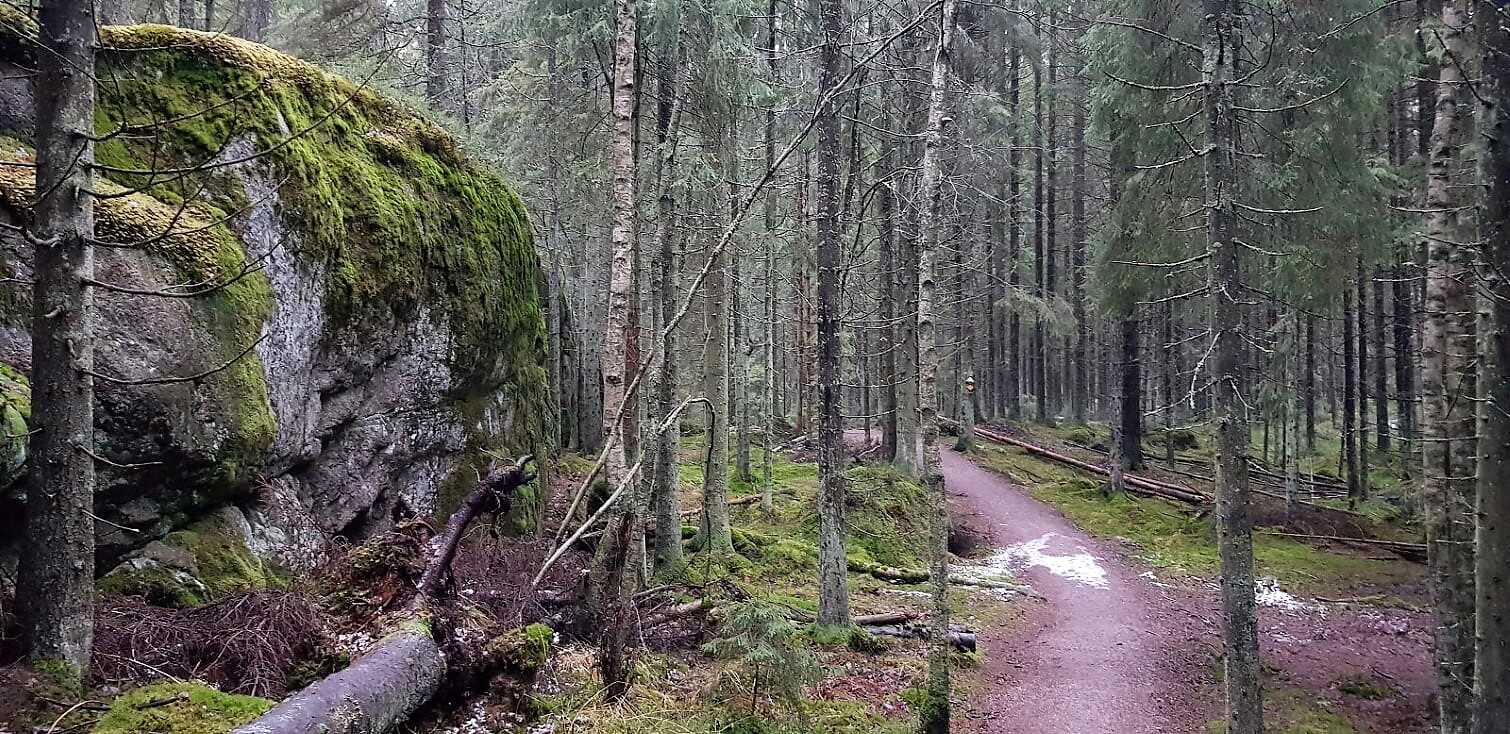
1410	551
1139	485
404	670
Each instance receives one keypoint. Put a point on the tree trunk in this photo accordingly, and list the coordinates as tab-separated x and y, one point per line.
1492	647
1040	342
1349	407
1078	234
615	575
55	585
1222	42
1381	372
1130	397
1014	237
1053	378
1447	425
1362	375
934	716
773	383
436	80
188	14
833	574
886	247
714	530
1308	380
663	277
909	456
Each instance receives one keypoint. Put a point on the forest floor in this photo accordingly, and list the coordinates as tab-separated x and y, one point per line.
1128	636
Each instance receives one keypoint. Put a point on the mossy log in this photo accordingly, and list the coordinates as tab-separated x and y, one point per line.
404	670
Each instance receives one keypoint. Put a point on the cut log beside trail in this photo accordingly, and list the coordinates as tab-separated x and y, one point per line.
1137	484
1150	487
1410	551
384	687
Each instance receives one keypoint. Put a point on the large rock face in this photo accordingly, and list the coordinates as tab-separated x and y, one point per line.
364	326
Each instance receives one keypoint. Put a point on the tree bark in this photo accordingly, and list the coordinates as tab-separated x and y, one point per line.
1040	289
1492	625
833	574
1013	386
55	584
1308	380
1221	38
714	530
436	78
664	273
615	572
1447	390
1130	396
934	718
1078	233
1349	407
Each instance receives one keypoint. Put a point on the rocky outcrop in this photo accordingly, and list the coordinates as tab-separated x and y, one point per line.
369	330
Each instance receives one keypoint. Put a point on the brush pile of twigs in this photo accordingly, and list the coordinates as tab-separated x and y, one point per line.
247	643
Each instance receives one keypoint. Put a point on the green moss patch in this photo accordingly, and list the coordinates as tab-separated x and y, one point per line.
221	559
179	708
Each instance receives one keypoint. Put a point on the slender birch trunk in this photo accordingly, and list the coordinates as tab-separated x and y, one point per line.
935	718
615	578
1447	390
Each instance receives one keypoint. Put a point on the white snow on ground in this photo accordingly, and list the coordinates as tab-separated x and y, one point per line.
1267	593
1080	567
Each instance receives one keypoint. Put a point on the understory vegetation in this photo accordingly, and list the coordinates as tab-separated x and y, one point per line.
765	666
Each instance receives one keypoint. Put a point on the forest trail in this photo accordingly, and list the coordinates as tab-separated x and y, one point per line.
1108	651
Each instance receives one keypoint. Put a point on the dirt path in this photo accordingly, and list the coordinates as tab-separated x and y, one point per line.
1107	651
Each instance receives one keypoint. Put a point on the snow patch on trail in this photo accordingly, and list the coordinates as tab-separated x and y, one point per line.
1267	593
1080	567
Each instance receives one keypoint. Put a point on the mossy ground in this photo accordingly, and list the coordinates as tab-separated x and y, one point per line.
775	561
1293	711
1170	537
179	708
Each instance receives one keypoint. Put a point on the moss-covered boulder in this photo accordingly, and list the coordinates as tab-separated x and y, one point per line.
365	326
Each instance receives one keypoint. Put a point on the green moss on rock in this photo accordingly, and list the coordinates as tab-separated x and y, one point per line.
383	200
158	584
179	708
15	412
221	559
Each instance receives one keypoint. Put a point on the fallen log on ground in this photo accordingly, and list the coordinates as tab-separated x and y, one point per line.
962	639
404	670
1410	551
1136	484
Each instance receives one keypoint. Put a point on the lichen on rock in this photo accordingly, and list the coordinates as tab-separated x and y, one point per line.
386	281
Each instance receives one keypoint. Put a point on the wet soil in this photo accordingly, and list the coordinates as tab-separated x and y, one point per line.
1114	647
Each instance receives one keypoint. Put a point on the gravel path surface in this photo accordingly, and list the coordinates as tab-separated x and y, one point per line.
1108	650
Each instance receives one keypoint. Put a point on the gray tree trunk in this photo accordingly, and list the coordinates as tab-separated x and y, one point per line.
1221	43
1492	578
663	288
1448	390
833	573
55	584
1080	100
715	533
615	568
934	719
773	383
436	81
